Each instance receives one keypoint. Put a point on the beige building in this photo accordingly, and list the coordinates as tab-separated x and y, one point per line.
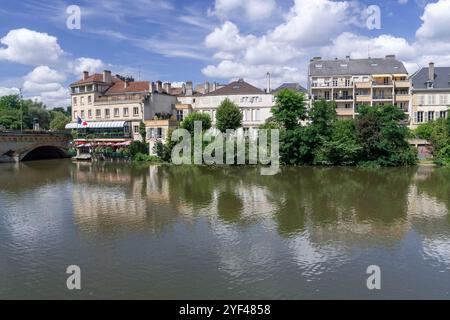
104	102
354	82
430	94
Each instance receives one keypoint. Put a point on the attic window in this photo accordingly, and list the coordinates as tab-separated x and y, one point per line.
344	65
236	87
318	66
374	64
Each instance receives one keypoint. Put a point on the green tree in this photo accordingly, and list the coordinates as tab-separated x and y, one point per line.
59	122
343	148
228	116
383	137
188	122
289	109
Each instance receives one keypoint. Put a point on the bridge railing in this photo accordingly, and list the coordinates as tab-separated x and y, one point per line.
34	133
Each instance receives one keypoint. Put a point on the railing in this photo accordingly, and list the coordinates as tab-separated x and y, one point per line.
344	98
382	97
382	83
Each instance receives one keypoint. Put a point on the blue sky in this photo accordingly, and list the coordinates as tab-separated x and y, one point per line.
216	40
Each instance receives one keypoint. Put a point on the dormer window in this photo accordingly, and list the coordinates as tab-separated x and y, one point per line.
374	64
318	66
430	85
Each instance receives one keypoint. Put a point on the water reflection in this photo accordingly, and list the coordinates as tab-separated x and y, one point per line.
301	233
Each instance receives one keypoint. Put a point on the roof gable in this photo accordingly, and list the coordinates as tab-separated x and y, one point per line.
441	78
236	88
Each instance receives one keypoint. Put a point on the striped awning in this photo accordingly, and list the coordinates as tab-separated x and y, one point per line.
98	125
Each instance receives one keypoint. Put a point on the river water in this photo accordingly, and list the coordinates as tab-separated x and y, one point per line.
168	232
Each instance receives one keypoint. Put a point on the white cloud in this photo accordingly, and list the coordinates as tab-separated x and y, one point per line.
436	18
253	10
46	84
87	64
228	38
8	91
30	47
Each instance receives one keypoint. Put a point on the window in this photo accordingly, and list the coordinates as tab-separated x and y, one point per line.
386	80
136	129
347	82
419	117
82	101
125	112
180	115
75	101
430	115
327	95
136	111
75	114
421	100
90	100
116	112
159	133
443	114
444	99
90	113
98	113
82	114
335	83
107	113
431	99
347	106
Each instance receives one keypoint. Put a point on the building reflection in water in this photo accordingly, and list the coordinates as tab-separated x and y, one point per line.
318	214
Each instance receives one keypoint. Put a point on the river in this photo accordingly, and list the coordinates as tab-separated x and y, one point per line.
185	232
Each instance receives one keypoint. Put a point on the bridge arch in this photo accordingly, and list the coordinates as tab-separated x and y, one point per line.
42	152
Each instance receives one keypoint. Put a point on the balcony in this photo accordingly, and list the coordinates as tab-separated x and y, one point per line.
402	97
363	85
345	111
363	98
344	98
402	84
382	83
120	98
382	97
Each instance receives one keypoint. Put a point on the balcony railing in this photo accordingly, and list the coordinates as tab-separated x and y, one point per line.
344	98
382	97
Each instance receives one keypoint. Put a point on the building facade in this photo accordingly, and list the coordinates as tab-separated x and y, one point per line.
354	82
430	94
104	102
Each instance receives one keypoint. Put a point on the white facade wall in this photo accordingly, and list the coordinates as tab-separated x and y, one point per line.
256	108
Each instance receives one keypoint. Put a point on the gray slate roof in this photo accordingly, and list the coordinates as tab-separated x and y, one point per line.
293	86
356	67
236	88
441	78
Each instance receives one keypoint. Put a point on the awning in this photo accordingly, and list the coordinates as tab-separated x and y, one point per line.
98	125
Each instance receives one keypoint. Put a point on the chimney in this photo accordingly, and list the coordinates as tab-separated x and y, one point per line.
85	75
268	82
207	87
107	78
189	88
431	72
125	84
347	58
159	87
214	86
167	87
183	88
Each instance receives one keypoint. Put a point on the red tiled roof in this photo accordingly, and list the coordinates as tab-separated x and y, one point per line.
92	78
118	87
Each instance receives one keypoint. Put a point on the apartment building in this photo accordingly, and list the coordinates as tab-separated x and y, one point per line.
116	104
254	103
430	94
354	82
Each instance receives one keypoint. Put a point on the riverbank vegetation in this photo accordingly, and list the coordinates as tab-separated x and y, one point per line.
437	132
16	113
377	137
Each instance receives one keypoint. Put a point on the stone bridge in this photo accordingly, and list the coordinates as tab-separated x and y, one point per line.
16	147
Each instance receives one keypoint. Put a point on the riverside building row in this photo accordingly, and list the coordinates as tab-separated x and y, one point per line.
111	108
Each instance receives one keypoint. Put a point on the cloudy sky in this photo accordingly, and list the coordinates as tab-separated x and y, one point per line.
216	40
